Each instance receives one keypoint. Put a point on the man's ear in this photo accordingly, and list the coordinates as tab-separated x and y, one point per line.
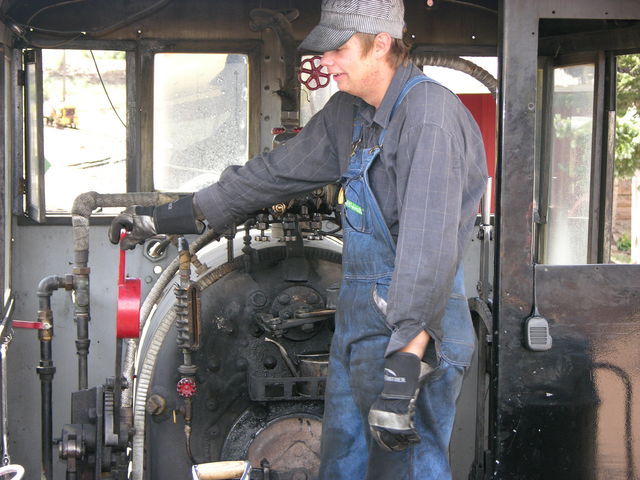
382	44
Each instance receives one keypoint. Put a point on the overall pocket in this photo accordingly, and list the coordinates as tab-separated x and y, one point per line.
355	206
378	300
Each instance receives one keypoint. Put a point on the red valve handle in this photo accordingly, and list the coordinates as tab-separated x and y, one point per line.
186	387
128	311
311	73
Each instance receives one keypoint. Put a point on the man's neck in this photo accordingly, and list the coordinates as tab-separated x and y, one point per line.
381	82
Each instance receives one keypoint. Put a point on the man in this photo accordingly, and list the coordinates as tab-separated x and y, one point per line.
412	167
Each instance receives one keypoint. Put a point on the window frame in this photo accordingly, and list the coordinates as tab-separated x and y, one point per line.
597	178
139	136
148	49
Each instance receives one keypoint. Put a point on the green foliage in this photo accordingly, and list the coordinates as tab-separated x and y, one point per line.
624	243
627	144
628	83
628	118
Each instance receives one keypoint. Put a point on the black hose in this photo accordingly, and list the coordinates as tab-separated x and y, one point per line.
460	64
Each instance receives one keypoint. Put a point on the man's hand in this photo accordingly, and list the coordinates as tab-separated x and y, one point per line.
391	415
138	221
143	222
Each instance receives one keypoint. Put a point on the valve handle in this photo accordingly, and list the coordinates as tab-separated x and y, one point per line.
313	75
128	309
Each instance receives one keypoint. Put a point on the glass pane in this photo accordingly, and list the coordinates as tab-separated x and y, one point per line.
625	232
200	116
567	232
84	135
34	159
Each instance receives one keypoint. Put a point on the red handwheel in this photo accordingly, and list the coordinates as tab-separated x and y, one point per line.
313	75
128	311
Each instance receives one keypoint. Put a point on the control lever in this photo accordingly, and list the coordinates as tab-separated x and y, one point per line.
301	317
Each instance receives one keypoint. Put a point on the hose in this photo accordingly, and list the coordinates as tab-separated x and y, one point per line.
460	64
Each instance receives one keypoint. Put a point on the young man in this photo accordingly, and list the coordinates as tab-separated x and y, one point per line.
412	167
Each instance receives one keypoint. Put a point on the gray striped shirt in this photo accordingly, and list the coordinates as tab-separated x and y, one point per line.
428	183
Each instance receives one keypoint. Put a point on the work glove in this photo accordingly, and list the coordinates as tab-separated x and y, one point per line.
145	222
391	415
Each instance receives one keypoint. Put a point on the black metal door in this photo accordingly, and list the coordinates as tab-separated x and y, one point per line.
566	412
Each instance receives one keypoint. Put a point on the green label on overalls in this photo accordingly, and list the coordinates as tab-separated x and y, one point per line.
354	207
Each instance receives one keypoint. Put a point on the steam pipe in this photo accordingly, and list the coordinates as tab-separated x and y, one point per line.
457	63
147	306
46	369
145	373
83	205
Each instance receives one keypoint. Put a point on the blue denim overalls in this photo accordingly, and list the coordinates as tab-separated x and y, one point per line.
357	351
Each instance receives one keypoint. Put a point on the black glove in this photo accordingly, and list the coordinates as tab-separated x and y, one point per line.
144	222
391	415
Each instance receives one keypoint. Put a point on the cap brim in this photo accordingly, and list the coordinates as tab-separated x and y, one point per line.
323	39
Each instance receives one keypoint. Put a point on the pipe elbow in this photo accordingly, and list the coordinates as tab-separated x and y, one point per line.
49	284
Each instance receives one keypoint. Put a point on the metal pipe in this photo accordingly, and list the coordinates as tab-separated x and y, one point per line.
147	307
83	205
46	369
143	381
6	459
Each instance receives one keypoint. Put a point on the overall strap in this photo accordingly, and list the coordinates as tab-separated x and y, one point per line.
412	82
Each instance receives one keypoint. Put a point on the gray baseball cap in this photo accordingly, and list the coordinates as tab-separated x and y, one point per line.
340	19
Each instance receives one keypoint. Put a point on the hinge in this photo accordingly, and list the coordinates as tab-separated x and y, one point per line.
22	186
21	78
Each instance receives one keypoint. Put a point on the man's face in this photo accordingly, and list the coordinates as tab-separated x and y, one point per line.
353	72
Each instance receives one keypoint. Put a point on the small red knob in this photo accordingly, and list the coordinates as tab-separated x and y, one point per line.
186	387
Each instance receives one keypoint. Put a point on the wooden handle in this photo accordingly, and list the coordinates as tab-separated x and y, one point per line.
220	470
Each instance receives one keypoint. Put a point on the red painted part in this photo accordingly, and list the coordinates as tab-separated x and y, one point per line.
313	75
277	130
483	108
186	387
128	311
26	324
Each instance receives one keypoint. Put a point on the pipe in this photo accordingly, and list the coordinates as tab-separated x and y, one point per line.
83	205
46	369
457	63
145	374
149	303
